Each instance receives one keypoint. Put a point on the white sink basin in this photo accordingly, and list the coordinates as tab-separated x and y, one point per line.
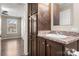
59	36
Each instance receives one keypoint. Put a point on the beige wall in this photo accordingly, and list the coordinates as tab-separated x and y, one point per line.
4	28
76	15
24	29
75	23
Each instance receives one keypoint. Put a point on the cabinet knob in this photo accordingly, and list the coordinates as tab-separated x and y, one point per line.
47	45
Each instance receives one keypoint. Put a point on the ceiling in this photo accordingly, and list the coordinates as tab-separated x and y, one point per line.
12	5
13	8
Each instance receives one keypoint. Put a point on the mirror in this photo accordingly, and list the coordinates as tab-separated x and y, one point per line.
62	14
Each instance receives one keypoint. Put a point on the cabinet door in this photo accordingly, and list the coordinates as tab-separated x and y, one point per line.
56	49
34	33
48	48
29	31
53	48
29	45
33	50
34	8
32	28
41	47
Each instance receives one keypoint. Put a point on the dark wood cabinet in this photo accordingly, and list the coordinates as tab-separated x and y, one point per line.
46	47
55	48
34	8
33	52
40	47
29	45
32	28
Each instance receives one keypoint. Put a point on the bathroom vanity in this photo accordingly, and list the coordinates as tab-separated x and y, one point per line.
52	46
41	18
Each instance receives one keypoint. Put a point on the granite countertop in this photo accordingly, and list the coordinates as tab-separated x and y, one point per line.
67	40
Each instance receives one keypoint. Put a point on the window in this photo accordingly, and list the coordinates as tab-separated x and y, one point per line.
11	26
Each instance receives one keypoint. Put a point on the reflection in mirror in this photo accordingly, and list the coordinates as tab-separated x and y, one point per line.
44	16
63	14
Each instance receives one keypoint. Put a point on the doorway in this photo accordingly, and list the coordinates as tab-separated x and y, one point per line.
11	18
